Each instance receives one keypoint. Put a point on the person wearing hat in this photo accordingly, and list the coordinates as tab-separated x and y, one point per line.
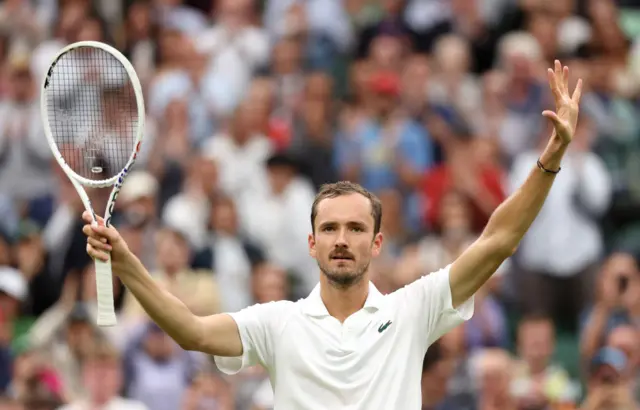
606	389
136	209
13	291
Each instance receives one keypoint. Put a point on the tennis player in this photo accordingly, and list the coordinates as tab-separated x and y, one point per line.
347	346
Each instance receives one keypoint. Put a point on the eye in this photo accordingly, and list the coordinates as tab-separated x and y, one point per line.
328	229
357	229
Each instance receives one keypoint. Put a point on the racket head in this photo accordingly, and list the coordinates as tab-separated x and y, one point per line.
134	132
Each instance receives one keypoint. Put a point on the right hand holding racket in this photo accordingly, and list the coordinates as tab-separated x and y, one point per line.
102	240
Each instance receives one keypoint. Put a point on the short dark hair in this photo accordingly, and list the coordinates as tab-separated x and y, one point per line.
342	188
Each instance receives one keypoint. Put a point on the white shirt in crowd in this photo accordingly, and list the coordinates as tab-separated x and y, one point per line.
280	226
565	237
371	361
241	167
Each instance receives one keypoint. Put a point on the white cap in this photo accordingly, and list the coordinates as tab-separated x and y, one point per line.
13	283
138	184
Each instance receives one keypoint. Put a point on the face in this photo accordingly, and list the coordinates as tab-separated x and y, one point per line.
269	284
102	378
158	345
625	338
22	84
287	56
79	336
90	31
173	251
319	87
223	217
344	241
494	379
536	342
386	51
435	381
455	217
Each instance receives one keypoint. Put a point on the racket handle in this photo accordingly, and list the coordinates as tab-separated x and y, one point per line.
104	284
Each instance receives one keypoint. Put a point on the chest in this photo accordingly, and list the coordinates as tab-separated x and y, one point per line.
340	353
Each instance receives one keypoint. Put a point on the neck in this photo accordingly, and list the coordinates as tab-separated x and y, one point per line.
343	302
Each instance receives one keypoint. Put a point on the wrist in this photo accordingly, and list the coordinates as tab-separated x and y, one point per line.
551	157
123	264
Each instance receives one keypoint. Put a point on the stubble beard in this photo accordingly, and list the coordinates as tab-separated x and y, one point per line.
343	280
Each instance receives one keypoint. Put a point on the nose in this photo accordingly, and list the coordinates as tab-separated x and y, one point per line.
341	239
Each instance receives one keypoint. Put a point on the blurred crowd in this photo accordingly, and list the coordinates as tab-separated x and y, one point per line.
434	105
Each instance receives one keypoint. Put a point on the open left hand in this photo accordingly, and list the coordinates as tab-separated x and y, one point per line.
565	119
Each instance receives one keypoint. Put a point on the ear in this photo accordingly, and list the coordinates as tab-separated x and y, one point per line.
376	246
312	245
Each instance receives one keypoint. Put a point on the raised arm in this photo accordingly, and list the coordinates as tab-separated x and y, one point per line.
215	335
511	220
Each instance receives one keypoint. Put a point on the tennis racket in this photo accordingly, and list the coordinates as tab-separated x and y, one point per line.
93	114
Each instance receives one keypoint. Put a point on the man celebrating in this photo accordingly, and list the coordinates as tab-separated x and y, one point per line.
346	345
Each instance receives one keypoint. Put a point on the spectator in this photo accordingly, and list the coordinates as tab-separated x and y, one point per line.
197	289
605	389
494	373
235	48
157	372
240	152
21	152
616	302
539	383
137	203
230	255
65	333
437	372
560	253
208	390
281	224
625	338
102	376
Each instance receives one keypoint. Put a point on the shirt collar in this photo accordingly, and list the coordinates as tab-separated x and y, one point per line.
314	306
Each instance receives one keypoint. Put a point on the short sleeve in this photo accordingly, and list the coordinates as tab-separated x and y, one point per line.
259	326
429	301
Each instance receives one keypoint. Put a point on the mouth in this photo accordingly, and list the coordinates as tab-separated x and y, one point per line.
342	258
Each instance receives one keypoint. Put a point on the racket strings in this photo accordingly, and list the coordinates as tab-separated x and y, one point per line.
92	112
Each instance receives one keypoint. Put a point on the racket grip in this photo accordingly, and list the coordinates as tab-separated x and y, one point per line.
104	284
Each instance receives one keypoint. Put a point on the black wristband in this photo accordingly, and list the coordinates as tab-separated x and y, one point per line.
548	171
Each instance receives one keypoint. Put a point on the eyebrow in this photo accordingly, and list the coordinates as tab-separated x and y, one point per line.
357	224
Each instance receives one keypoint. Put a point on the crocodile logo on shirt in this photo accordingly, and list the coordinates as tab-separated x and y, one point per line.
384	327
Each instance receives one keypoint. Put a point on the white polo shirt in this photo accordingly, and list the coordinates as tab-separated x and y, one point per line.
371	361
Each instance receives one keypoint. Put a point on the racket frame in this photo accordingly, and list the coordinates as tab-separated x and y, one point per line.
104	276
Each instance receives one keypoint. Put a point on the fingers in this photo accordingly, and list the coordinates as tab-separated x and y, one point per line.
88	218
99	244
559	80
87	230
577	93
553	84
101	233
97	254
553	117
558	75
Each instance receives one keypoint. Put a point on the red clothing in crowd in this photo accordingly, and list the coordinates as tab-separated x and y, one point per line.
438	182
